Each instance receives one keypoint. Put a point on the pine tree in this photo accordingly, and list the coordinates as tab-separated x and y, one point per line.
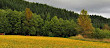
85	23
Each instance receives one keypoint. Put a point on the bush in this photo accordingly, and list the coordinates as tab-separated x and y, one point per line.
100	34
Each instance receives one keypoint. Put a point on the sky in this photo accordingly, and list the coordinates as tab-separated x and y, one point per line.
94	7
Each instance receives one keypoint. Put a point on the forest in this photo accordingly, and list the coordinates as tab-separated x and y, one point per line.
43	9
19	17
14	22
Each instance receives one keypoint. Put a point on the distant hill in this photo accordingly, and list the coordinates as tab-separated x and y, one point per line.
43	10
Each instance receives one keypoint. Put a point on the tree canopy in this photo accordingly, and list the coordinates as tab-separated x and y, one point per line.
43	10
85	22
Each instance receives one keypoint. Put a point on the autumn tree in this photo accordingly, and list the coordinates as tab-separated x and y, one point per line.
106	27
28	14
85	23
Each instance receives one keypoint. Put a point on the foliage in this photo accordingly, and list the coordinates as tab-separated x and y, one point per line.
43	10
45	20
14	22
28	14
106	27
4	23
85	22
99	21
60	27
98	33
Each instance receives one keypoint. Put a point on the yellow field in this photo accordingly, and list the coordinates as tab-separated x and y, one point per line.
14	41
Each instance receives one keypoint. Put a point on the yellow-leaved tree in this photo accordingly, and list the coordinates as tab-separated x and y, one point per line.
106	26
85	23
28	14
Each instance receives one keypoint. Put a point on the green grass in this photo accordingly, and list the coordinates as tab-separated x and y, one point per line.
16	41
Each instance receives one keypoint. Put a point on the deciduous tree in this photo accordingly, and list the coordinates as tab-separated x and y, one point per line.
106	27
85	22
28	14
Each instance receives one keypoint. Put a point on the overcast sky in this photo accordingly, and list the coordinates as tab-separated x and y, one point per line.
99	7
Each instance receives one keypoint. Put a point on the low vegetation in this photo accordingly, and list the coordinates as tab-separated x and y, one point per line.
99	33
17	41
80	37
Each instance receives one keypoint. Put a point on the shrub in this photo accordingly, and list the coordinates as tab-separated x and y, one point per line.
100	34
79	36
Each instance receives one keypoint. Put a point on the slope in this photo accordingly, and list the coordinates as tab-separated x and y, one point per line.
14	41
43	10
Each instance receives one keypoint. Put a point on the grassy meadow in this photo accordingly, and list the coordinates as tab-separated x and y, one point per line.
17	41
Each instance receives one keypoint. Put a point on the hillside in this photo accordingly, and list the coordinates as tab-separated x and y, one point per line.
43	10
12	41
26	24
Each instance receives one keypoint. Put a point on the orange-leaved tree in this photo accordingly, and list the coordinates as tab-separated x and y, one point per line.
106	26
85	23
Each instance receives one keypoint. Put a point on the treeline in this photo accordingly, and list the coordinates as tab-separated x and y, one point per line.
15	22
88	31
43	10
28	23
99	21
40	9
